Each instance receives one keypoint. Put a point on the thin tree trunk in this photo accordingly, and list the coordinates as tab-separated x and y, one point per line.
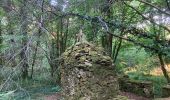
1	40
65	41
55	49
62	37
7	7
110	40
107	38
161	60
168	4
117	51
163	68
34	59
114	49
38	41
24	46
122	31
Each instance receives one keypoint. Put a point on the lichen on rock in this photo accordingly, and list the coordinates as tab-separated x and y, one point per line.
87	73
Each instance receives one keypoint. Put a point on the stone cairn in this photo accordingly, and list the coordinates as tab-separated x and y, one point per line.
87	73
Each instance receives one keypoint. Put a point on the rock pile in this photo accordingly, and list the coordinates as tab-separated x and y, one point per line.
166	91
142	88
87	73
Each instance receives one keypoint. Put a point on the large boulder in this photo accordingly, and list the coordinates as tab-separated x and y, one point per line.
87	73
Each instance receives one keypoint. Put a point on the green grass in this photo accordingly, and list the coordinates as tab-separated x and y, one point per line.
135	57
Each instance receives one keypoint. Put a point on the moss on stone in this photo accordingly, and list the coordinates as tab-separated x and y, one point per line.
166	91
87	73
143	88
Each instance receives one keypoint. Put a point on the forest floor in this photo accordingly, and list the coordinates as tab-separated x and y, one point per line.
37	93
51	92
130	96
43	88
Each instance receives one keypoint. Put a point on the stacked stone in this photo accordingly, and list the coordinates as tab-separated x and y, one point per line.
166	91
87	73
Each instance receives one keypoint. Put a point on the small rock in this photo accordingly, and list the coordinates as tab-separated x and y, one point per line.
88	64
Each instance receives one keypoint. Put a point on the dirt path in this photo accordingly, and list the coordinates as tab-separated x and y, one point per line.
163	98
56	96
132	96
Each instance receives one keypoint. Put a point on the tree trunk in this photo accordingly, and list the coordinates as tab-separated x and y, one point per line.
7	7
163	68
41	21
1	40
66	34
107	38
117	51
23	54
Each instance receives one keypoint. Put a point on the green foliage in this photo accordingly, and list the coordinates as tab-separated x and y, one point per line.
122	16
135	57
135	3
2	12
29	89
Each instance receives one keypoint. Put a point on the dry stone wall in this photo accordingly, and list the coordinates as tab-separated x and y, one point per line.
87	73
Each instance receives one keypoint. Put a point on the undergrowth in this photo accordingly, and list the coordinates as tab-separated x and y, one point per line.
39	86
138	64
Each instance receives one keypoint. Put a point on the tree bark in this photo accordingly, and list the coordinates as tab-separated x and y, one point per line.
23	54
7	7
41	21
165	73
117	50
1	40
66	34
107	38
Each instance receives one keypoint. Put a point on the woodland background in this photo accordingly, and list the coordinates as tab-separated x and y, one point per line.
34	33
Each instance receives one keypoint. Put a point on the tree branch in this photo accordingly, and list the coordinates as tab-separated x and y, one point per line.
142	1
146	18
168	4
131	30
